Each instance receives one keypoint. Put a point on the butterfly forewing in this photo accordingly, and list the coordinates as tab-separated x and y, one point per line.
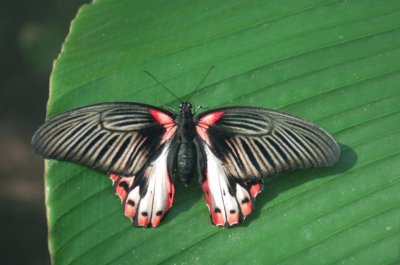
110	137
255	142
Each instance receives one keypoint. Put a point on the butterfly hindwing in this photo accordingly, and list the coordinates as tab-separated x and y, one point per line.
147	196
244	144
229	200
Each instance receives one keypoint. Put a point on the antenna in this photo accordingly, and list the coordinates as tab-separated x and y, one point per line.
166	88
201	82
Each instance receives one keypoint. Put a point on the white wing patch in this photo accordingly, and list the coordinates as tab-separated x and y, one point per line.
146	201
229	201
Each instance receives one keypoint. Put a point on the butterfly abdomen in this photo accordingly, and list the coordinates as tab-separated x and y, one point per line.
186	161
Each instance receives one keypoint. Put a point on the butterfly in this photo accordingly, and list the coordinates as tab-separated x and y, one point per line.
143	148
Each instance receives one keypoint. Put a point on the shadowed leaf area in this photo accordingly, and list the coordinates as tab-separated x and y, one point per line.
335	63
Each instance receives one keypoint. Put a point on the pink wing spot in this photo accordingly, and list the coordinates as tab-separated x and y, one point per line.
246	207
255	189
162	118
203	134
211	118
166	121
233	218
143	220
130	211
123	186
170	131
205	122
218	219
156	221
114	177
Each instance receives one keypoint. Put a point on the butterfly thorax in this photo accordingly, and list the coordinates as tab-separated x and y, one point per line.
186	155
184	120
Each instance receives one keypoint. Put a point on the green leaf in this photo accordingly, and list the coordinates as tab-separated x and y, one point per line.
335	63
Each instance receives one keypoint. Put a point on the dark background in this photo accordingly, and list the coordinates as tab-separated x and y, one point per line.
31	34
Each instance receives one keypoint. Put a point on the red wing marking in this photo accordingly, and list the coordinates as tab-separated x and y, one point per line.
166	121
205	122
130	209
255	188
143	220
161	117
114	177
202	132
122	185
233	218
244	199
131	202
211	118
170	193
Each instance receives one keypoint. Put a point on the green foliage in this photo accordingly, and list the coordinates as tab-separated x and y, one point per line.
335	63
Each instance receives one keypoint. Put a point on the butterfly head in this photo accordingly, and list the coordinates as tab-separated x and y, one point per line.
185	107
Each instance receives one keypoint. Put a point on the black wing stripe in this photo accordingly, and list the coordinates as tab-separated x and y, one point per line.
237	159
268	161
80	142
104	150
92	144
65	122
134	159
70	144
57	144
314	133
279	154
260	162
62	145
241	126
112	151
252	156
119	152
86	145
259	124
123	162
232	159
56	133
294	159
247	155
272	153
324	155
319	159
297	145
48	139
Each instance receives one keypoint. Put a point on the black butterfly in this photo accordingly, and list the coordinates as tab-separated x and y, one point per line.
143	147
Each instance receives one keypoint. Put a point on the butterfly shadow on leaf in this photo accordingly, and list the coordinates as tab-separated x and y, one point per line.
185	199
284	182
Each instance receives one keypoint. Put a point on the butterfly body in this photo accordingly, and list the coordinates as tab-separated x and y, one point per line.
186	132
141	148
